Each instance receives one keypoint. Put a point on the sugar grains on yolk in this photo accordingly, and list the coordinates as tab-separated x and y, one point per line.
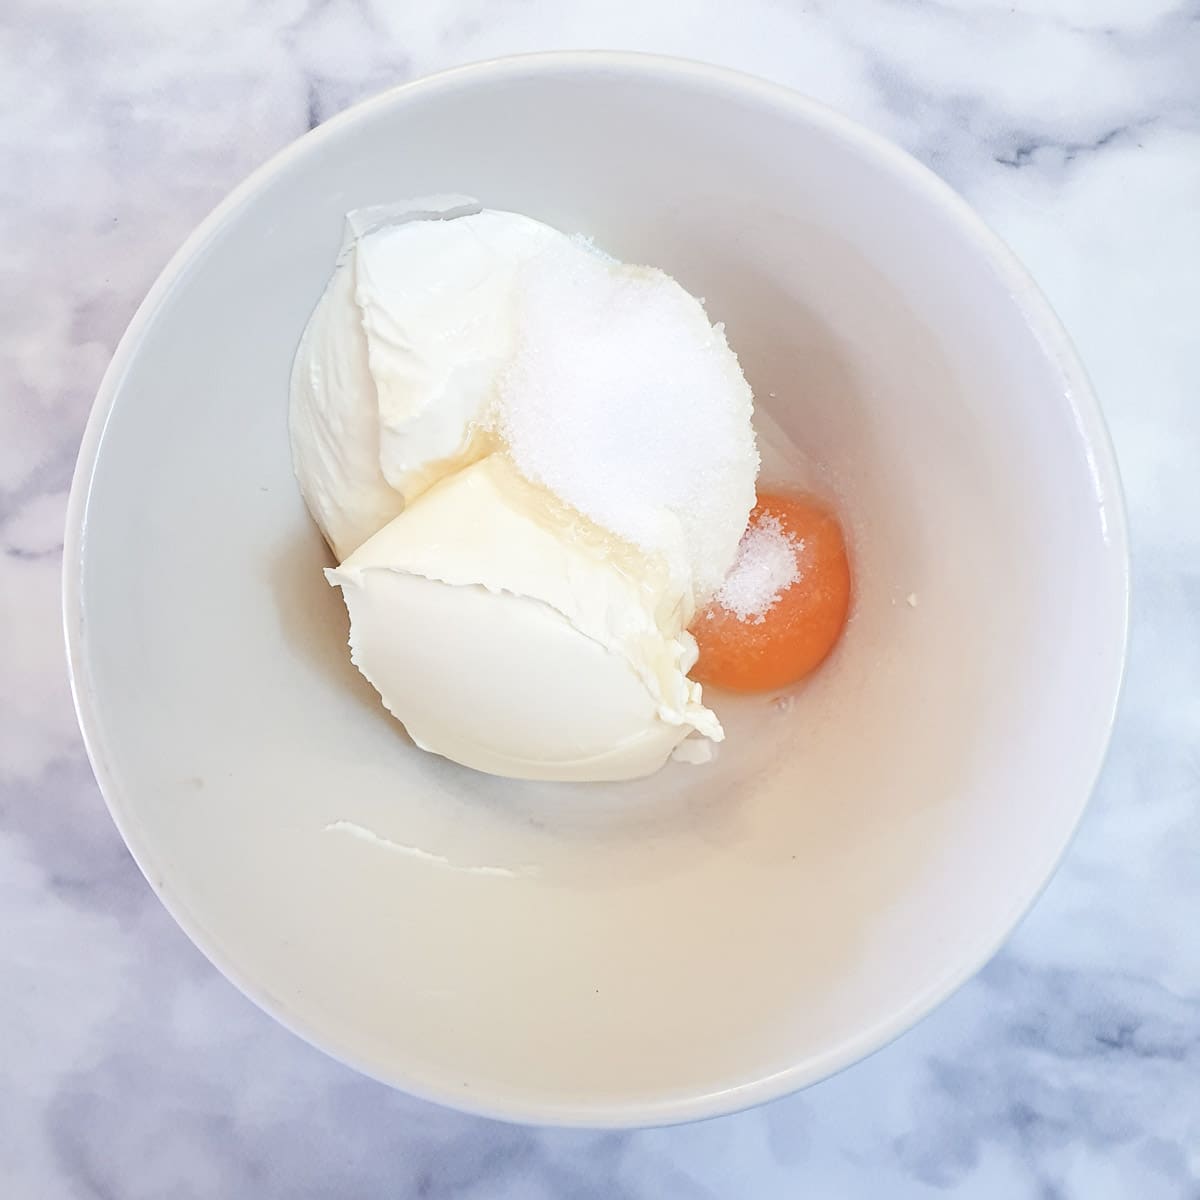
801	625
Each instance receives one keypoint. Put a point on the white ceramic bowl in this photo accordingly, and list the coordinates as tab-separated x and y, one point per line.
711	937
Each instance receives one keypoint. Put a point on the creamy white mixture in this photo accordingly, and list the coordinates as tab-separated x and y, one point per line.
533	464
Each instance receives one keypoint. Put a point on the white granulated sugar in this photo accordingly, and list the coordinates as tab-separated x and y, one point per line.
624	400
764	569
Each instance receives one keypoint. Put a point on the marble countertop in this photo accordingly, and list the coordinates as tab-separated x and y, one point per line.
1070	1067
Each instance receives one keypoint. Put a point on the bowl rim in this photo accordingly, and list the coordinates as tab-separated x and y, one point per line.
1078	395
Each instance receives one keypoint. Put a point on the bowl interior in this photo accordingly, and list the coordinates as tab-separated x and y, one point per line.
713	935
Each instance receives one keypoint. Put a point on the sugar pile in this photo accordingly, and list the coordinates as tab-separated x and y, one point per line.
765	567
627	403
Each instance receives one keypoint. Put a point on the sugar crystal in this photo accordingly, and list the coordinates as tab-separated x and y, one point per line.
626	402
765	567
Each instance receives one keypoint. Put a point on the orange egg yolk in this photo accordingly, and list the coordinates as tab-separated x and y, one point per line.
795	634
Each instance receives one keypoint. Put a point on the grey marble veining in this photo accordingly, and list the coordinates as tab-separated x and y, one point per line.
1070	1067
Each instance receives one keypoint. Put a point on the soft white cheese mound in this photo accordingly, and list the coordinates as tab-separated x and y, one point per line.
510	636
398	364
